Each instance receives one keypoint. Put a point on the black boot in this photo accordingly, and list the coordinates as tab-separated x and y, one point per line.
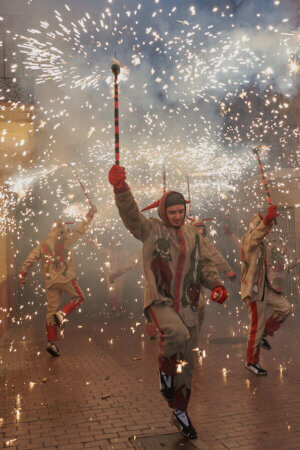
264	343
182	421
52	349
256	369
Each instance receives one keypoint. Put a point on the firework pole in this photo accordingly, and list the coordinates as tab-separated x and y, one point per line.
84	190
227	216
189	195
164	180
264	180
115	68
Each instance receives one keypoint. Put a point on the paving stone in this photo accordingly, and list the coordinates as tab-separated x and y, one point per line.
58	403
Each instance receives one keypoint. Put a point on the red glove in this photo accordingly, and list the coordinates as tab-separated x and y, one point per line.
117	177
231	276
115	276
219	294
92	211
271	215
22	278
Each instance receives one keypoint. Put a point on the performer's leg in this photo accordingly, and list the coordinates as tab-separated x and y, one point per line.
183	379
53	302
173	336
176	345
257	321
281	309
183	382
72	289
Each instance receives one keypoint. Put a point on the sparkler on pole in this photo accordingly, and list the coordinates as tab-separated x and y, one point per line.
115	68
264	180
83	189
227	218
189	195
164	180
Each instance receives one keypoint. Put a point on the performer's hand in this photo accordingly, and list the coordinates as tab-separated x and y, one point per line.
22	278
117	176
231	276
219	294
92	211
271	215
115	276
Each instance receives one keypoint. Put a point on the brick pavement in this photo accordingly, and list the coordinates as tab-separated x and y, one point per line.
97	396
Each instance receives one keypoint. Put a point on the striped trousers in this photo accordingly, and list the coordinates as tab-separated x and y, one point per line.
54	293
259	324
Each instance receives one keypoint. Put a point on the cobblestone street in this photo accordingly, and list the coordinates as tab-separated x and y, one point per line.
102	392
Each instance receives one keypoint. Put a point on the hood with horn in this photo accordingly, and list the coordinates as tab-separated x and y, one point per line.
170	198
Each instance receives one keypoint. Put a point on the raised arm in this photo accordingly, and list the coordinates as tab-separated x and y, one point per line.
80	230
253	238
138	225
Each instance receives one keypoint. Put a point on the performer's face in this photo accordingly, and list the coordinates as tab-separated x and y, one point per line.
175	215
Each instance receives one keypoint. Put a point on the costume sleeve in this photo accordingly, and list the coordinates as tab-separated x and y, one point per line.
210	277
138	225
79	231
31	259
255	237
219	260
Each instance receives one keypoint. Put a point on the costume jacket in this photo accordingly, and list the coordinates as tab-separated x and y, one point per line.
176	261
55	253
254	261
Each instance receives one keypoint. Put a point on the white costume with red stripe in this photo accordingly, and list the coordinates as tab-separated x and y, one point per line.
257	291
53	293
176	263
55	253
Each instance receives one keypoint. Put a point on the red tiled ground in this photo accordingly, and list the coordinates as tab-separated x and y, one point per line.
58	403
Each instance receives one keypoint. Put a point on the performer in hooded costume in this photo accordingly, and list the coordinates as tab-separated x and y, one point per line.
220	262
257	291
55	253
176	263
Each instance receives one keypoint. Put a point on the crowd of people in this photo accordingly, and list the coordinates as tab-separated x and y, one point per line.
179	263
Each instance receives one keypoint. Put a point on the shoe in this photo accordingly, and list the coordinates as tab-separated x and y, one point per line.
166	384
264	343
52	349
256	369
60	321
182	421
